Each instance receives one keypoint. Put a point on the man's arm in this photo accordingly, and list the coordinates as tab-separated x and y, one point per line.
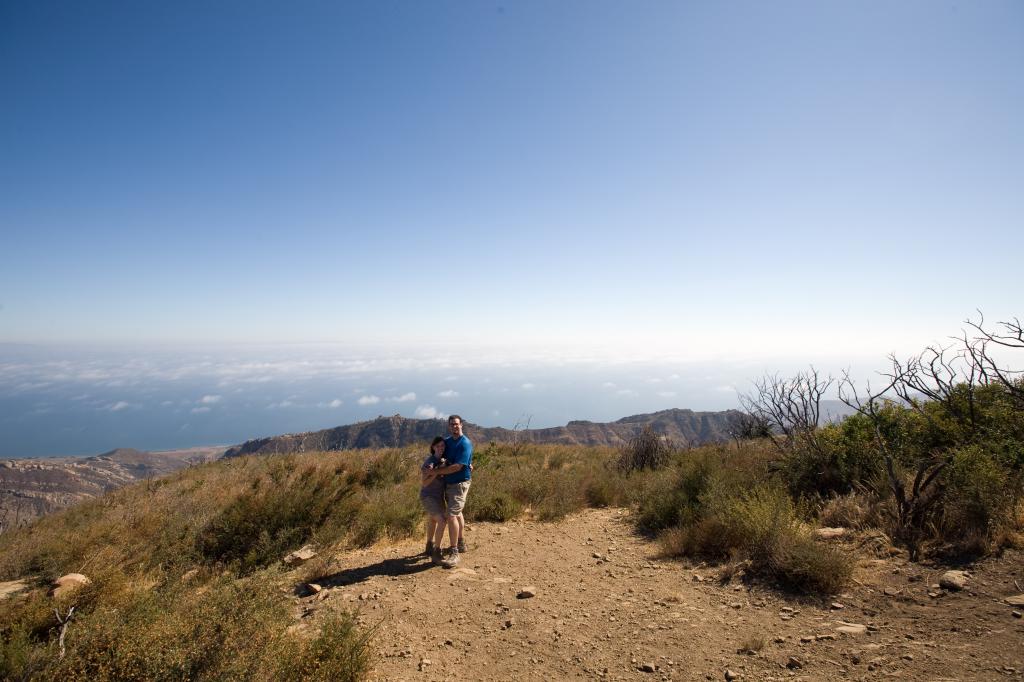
450	469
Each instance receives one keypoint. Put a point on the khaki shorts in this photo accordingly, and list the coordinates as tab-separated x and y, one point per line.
455	496
433	505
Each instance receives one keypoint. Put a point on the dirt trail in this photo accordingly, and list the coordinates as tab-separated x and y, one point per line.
606	607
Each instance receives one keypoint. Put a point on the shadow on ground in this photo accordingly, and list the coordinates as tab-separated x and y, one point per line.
389	567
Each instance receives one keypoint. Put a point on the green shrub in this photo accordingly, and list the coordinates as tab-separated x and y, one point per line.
264	523
754	521
493	506
979	497
528	484
563	496
393	513
662	502
676	496
388	469
760	525
840	458
801	563
604	487
339	653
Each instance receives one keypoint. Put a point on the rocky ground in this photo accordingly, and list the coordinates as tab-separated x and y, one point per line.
605	606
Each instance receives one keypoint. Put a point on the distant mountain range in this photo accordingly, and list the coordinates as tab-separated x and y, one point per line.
681	426
30	488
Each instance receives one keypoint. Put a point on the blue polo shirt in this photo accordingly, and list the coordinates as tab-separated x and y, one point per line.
458	451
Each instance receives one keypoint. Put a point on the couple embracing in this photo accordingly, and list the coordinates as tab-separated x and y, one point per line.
445	484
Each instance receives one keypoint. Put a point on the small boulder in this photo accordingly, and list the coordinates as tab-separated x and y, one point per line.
730	675
953	580
66	584
794	663
526	592
647	667
1016	600
829	533
851	628
300	556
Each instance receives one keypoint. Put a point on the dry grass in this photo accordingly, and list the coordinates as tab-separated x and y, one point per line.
546	481
752	644
138	620
214	627
853	510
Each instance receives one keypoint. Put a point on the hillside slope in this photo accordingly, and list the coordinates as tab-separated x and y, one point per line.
30	488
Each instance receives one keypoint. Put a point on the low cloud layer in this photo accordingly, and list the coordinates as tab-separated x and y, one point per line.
428	412
86	404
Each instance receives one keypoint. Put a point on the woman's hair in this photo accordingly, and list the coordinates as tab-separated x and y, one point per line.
438	439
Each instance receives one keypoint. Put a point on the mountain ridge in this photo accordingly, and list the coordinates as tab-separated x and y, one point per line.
682	426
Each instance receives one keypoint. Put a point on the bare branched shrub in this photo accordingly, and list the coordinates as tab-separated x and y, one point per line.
747	426
787	410
1008	336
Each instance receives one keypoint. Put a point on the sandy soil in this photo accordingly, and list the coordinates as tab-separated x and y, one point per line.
607	607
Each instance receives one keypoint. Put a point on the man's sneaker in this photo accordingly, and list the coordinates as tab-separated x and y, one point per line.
435	557
462	546
430	548
452	560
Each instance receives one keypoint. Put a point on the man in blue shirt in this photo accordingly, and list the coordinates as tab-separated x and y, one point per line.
458	451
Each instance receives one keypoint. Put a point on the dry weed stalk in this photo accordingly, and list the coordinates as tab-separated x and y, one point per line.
64	622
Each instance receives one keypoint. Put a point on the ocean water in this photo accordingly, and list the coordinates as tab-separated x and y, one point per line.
83	401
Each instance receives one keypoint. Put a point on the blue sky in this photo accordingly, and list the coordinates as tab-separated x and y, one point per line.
705	179
835	172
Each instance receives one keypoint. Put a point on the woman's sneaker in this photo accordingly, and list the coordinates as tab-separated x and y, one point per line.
435	557
452	560
462	546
